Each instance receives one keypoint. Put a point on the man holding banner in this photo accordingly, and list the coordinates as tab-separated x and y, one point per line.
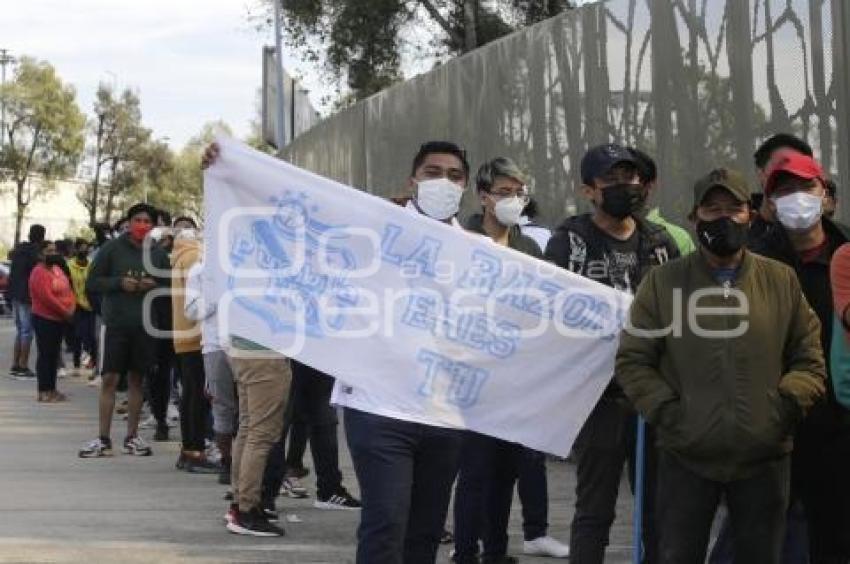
406	468
615	247
428	329
724	418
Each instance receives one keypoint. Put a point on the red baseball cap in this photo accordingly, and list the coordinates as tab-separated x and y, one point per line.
792	162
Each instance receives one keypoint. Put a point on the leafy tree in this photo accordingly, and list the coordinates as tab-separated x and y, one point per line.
361	41
44	135
174	181
121	142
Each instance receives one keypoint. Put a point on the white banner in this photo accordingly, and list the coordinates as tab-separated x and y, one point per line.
443	325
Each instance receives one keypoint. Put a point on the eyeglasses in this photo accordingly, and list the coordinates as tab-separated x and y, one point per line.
521	194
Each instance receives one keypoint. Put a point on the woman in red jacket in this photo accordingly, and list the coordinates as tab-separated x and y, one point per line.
52	308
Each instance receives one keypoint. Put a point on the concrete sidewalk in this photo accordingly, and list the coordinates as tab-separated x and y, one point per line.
57	507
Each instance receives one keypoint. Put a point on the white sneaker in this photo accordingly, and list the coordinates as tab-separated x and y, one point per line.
546	546
172	415
61	373
148	423
95	382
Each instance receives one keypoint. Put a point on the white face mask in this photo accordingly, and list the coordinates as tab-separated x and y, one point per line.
799	210
439	198
509	210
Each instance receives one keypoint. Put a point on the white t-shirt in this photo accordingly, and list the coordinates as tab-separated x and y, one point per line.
540	234
196	310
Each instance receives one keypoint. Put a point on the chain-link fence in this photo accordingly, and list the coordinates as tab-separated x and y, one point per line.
695	83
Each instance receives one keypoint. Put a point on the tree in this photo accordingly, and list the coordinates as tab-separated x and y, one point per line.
120	141
174	182
361	41
44	134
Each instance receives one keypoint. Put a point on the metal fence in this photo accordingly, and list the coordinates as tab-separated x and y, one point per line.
696	83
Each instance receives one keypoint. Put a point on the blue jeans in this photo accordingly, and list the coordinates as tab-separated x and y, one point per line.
406	471
23	321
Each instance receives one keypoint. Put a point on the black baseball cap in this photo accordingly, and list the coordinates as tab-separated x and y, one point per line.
599	160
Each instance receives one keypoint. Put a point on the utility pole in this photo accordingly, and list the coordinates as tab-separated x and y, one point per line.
5	59
281	105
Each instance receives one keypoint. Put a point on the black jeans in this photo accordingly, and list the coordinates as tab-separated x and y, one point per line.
406	471
310	410
484	494
159	379
48	338
821	481
194	406
84	335
687	503
606	441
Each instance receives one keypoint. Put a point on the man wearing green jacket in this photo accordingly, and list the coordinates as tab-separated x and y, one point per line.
123	272
723	358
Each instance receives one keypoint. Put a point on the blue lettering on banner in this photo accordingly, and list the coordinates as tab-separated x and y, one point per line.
423	258
296	296
483	274
456	383
476	330
587	313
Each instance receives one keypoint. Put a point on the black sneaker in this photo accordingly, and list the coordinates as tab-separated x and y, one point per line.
15	370
270	512
161	433
499	560
25	375
255	524
341	500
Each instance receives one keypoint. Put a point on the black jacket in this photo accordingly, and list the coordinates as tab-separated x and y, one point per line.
24	259
815	281
581	247
516	240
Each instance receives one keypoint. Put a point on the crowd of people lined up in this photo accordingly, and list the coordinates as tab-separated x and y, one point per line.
749	405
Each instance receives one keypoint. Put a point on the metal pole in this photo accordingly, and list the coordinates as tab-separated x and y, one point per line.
640	470
281	108
5	59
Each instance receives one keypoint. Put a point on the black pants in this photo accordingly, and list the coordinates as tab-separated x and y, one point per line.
194	406
821	480
484	494
308	407
299	432
84	335
606	441
687	503
159	379
48	338
406	471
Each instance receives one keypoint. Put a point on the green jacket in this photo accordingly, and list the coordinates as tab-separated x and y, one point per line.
679	235
115	260
715	402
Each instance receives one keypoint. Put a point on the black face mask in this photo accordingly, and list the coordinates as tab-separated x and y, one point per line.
722	237
53	260
622	200
82	256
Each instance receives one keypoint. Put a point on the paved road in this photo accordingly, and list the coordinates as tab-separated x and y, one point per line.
59	508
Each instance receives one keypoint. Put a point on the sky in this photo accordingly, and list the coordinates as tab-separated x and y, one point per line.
192	61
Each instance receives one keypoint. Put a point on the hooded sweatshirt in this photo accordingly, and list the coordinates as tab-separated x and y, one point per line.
187	333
